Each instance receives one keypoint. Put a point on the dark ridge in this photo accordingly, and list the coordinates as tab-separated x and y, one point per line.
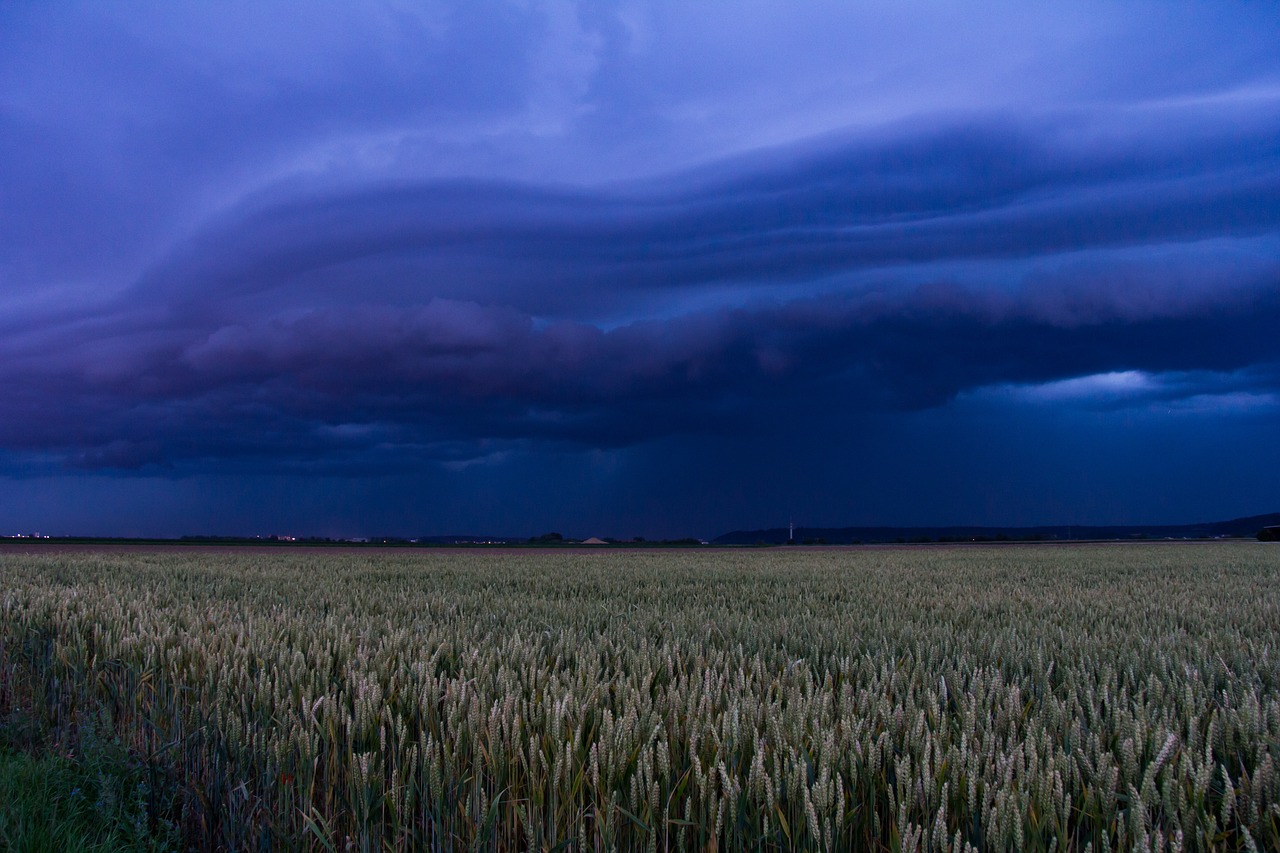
1235	528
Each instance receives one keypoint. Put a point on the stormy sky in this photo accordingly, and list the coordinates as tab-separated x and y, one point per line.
634	268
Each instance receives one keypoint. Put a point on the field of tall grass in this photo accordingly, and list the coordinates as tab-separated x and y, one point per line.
1032	698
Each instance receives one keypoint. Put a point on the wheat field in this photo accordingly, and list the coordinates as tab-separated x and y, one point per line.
1104	697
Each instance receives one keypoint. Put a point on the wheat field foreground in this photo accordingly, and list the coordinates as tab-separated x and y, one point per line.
1032	698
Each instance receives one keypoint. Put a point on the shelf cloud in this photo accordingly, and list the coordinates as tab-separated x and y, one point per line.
405	238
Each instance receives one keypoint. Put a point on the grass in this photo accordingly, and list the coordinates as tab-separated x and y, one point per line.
94	802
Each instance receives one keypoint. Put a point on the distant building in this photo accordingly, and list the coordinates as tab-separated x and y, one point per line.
594	541
1269	534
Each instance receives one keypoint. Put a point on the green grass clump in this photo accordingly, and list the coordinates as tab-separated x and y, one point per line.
96	802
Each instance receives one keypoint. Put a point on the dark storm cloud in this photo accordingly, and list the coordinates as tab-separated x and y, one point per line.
341	382
379	241
986	190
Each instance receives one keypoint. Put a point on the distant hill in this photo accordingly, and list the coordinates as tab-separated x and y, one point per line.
1238	527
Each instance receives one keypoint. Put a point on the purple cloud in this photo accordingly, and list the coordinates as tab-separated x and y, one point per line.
396	236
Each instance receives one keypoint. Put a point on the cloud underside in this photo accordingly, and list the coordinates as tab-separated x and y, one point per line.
333	323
